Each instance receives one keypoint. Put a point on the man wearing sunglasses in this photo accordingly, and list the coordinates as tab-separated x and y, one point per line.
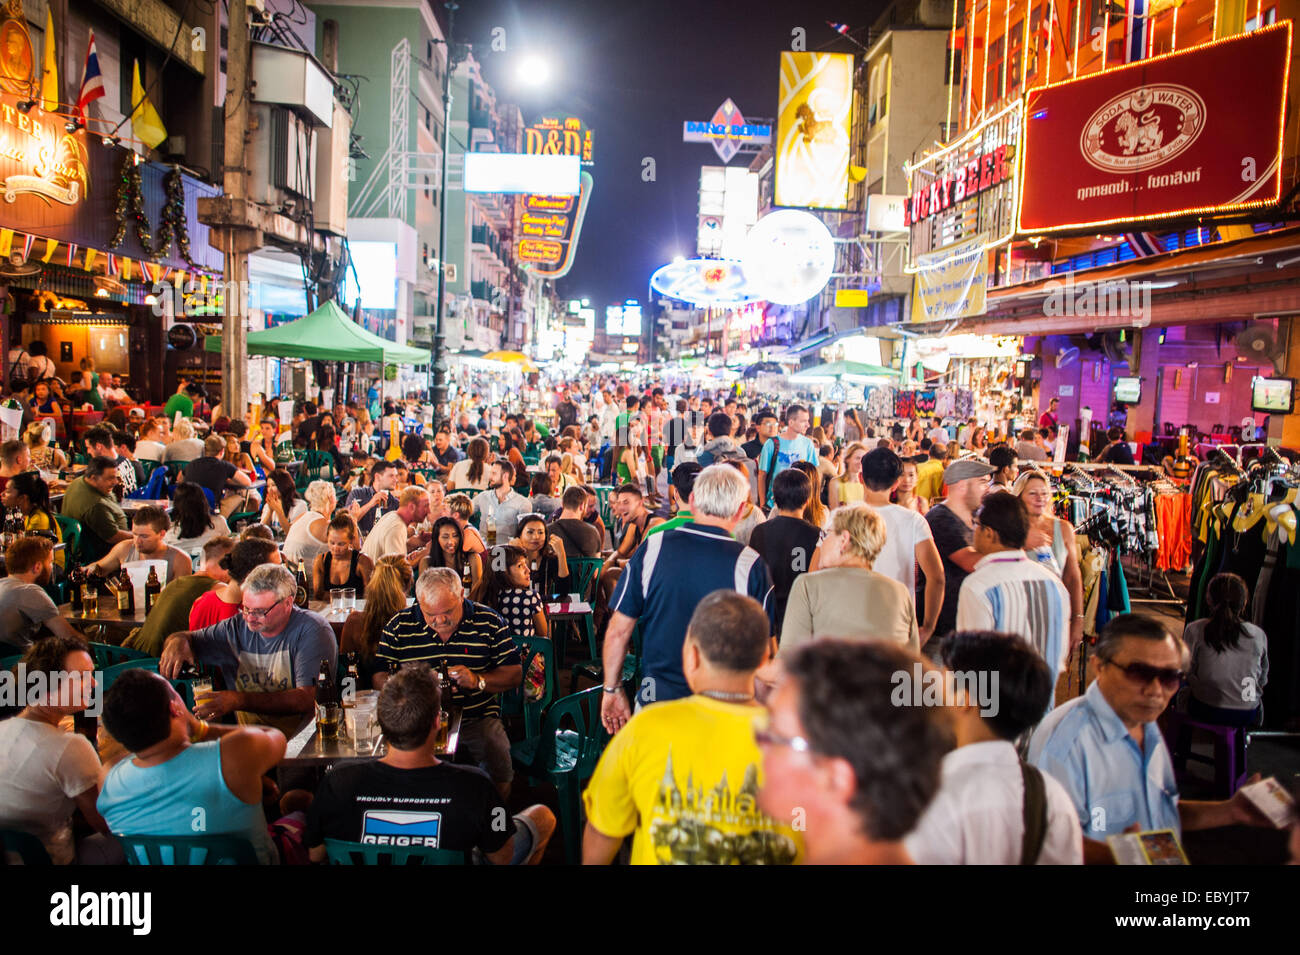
1106	749
269	655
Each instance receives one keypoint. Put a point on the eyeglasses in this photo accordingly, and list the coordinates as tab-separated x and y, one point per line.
261	614
1143	673
765	737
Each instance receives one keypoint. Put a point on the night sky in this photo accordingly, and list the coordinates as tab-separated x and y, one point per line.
635	71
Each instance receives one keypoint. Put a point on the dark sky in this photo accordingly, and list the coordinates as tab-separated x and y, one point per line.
635	70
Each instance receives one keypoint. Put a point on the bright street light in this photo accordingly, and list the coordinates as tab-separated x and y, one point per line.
533	71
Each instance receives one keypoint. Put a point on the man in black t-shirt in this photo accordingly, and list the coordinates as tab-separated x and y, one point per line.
580	538
766	423
221	477
951	523
785	540
409	797
444	453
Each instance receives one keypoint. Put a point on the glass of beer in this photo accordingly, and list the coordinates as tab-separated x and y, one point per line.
90	599
201	687
327	719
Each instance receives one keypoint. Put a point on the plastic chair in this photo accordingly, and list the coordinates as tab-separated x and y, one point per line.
317	466
234	520
514	702
107	655
108	675
70	527
1229	759
148	466
594	668
357	853
188	850
29	849
566	752
174	469
154	487
9	662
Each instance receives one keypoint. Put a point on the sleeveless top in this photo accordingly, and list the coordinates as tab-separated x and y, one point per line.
1052	556
354	576
161	800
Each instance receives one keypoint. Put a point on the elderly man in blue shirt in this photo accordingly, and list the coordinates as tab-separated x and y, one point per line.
1106	750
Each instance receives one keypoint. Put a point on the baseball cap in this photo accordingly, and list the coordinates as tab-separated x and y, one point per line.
965	469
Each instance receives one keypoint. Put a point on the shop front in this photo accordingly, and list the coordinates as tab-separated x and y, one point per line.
94	246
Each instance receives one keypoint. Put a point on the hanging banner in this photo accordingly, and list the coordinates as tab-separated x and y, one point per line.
951	282
1198	131
813	130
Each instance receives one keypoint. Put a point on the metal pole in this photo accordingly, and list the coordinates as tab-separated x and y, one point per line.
438	393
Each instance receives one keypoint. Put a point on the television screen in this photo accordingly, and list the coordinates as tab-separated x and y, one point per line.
1128	390
1272	395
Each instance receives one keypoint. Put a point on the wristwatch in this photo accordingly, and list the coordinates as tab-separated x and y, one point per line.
482	683
611	689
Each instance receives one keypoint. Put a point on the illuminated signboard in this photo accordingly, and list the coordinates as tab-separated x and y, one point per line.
540	250
813	130
789	256
513	173
1193	132
52	161
545	226
728	208
705	282
559	136
727	131
965	189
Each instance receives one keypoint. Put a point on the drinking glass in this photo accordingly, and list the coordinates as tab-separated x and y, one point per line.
201	687
364	725
349	599
327	719
90	599
336	601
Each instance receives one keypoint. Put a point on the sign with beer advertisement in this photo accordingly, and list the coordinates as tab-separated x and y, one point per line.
951	282
813	130
966	188
1198	131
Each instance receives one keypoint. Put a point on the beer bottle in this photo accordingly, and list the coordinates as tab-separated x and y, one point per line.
326	692
491	530
152	588
125	593
444	680
352	680
301	597
76	577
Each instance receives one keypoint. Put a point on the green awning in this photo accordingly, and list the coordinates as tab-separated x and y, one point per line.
835	370
327	334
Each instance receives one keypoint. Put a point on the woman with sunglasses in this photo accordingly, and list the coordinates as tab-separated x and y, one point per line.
448	550
547	561
1051	542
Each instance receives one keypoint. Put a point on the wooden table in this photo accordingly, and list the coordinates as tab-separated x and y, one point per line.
131	505
116	624
309	749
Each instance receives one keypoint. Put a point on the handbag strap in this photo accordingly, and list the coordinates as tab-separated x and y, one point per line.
1035	814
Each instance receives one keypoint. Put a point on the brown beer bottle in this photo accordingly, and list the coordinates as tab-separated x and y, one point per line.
300	598
125	593
152	588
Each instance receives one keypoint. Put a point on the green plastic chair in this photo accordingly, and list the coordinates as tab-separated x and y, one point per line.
317	466
8	663
108	675
174	469
603	494
357	853
27	847
566	752
514	702
583	574
70	527
147	466
594	668
107	655
188	850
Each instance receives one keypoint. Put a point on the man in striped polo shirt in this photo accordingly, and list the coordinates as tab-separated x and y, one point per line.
442	626
667	576
1008	591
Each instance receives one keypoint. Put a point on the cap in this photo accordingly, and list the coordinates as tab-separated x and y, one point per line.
965	469
136	412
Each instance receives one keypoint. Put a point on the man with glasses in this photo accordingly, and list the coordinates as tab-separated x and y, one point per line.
269	655
847	755
1107	751
443	627
1009	592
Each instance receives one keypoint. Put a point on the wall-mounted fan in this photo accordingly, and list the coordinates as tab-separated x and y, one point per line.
1257	344
16	266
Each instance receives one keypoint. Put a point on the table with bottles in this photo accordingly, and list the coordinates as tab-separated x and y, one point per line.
311	747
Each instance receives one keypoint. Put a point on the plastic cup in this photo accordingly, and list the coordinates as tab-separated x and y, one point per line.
365	727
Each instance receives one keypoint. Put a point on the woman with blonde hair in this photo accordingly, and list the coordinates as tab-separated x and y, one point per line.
45	457
846	487
1051	542
816	513
846	599
386	592
308	536
184	446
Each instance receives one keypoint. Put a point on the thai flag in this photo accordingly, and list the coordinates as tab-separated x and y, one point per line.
1144	244
1135	31
842	28
72	251
92	81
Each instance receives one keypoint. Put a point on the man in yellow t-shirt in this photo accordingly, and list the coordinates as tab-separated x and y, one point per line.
682	777
929	474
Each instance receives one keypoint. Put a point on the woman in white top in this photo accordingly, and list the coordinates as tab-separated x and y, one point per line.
1051	542
193	523
309	535
283	505
184	446
472	472
149	447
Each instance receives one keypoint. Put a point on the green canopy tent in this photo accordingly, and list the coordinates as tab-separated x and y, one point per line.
327	334
837	370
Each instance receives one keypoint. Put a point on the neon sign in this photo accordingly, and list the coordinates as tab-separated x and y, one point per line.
726	131
57	159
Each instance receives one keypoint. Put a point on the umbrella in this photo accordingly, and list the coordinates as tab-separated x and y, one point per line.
512	358
760	367
835	370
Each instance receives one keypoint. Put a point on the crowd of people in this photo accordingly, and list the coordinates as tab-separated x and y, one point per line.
788	593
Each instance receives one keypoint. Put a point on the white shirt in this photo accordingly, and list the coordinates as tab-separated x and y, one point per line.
904	529
388	536
977	816
938	435
42	771
149	450
300	543
1011	593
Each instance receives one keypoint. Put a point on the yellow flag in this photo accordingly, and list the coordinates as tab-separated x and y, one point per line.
90	259
126	269
50	76
50	246
146	122
6	242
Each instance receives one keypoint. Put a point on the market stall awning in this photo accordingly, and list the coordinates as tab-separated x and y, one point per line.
327	334
512	358
835	370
